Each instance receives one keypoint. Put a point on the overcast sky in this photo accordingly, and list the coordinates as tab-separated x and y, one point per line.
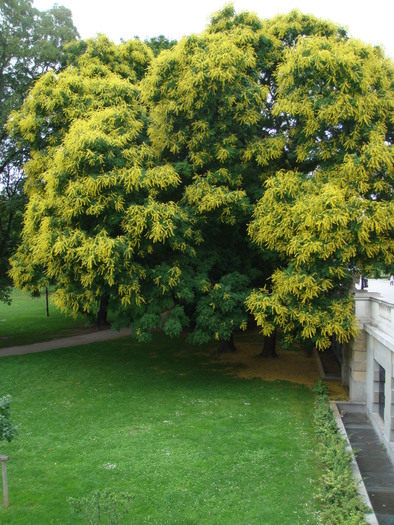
369	20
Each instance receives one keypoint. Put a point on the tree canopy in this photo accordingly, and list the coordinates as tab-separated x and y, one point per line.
246	170
159	44
31	43
330	211
205	103
96	220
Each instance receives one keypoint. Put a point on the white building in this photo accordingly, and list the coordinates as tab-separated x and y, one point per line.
368	365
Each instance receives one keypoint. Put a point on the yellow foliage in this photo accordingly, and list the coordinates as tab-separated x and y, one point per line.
288	103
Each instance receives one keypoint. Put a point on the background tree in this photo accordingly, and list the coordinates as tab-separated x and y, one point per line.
329	213
31	43
12	202
159	43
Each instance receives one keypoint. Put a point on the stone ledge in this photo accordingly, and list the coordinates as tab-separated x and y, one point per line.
386	339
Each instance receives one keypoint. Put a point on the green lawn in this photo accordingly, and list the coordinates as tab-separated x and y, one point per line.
25	321
164	422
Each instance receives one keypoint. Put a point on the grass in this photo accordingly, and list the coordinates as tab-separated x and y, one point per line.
191	442
25	321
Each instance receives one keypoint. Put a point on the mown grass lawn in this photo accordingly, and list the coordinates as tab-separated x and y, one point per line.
164	422
25	321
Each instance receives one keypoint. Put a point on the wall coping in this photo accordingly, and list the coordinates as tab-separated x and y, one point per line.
380	335
375	297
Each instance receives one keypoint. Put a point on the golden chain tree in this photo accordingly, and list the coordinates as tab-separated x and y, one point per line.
329	213
96	223
255	150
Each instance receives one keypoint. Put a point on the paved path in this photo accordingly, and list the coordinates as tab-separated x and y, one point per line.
374	464
84	339
381	286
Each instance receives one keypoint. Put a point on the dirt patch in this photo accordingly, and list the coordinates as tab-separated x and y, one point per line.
294	366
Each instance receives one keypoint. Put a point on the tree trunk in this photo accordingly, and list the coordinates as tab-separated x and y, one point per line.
269	346
47	299
227	346
102	320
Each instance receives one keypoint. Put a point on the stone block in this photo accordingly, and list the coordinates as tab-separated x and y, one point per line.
359	366
359	376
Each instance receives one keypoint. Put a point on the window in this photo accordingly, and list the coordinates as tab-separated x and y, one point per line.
381	396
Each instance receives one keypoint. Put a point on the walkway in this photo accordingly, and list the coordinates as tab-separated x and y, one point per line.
374	464
77	340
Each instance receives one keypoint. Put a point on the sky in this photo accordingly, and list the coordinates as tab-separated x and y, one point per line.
369	20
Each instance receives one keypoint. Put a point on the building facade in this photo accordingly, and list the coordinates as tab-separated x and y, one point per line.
368	363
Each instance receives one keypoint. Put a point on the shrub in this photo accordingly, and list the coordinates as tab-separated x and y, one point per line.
338	496
102	507
7	430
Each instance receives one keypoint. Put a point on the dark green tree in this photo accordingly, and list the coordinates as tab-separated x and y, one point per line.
207	108
159	43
